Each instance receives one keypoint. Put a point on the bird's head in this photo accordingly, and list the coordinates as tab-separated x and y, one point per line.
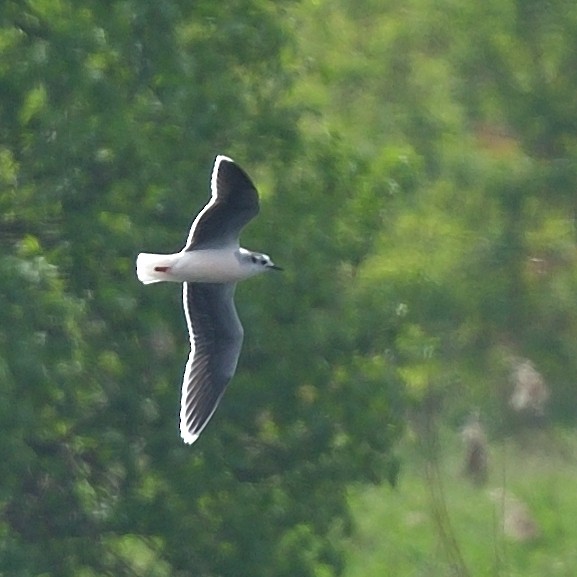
260	261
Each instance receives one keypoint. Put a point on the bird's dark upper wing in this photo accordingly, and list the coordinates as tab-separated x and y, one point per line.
216	336
234	202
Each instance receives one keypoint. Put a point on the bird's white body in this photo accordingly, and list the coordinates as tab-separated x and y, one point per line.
221	265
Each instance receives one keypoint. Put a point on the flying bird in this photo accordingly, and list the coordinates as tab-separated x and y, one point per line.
209	266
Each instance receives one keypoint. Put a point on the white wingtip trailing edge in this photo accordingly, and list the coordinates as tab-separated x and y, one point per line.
186	436
214	174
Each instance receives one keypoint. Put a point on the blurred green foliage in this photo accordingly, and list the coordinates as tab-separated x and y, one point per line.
402	531
416	163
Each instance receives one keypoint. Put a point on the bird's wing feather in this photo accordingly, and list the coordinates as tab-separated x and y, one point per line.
234	202
216	336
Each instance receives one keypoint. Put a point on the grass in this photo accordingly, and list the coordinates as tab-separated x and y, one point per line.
437	524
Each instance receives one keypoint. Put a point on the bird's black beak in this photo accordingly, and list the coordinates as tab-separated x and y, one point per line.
275	267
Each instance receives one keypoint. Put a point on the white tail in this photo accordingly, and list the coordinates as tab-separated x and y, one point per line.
147	265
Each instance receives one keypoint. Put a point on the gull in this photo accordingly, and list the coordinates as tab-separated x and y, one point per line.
209	266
